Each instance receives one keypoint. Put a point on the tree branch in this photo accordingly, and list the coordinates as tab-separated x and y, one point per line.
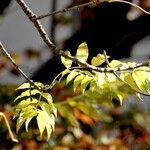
132	4
32	17
16	66
93	2
65	10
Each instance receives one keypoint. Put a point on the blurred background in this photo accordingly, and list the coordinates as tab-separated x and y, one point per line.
120	29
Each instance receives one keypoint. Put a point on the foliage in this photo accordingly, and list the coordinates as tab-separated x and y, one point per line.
120	127
96	88
33	103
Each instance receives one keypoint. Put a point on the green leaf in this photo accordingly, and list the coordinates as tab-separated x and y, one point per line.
71	76
82	52
46	118
141	80
66	71
27	93
85	82
98	60
48	97
67	62
93	85
30	113
20	122
24	86
25	103
41	121
127	77
115	63
27	123
45	121
77	81
28	85
49	131
110	77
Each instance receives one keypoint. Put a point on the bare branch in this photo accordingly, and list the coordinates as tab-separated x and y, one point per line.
94	2
16	66
132	4
77	7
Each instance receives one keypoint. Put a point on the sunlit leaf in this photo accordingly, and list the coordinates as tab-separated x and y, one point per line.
93	85
27	123
82	52
116	63
20	122
127	77
30	113
25	103
24	86
28	85
71	76
66	71
77	81
67	62
49	130
48	97
110	77
141	80
27	93
41	121
46	119
101	79
98	60
84	83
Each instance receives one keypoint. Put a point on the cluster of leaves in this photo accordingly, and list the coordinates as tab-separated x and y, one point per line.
34	103
96	88
105	135
108	84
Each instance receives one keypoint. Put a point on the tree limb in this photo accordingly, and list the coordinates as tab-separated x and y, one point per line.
32	17
16	66
93	2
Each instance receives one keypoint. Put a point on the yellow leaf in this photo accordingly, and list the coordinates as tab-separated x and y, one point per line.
98	60
141	80
82	52
41	121
115	63
67	62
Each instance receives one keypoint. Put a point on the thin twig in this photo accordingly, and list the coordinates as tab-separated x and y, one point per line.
77	7
8	127
16	66
132	4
